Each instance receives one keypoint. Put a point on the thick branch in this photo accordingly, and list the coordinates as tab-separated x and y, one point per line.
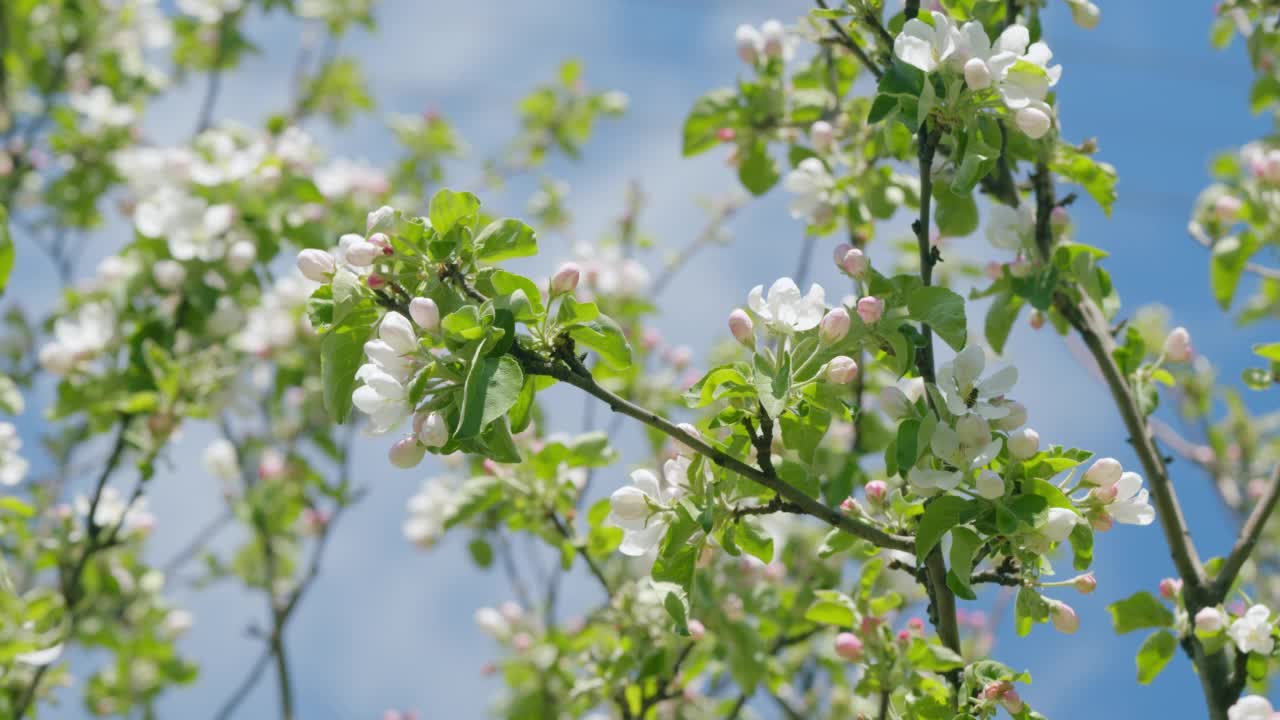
537	365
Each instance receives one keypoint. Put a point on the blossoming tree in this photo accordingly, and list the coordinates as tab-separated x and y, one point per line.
864	456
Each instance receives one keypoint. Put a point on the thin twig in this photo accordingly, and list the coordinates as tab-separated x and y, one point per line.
847	41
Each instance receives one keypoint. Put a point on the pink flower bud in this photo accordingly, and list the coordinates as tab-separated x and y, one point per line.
431	429
1036	319
841	370
855	263
870	309
995	689
775	37
1170	588
1105	495
376	281
697	630
1177	346
993	270
425	313
823	136
726	134
1064	617
382	242
380	220
1210	621
849	647
1011	701
1227	209
1085	584
849	506
742	328
748	42
316	265
838	254
521	642
834	326
904	636
1104	472
916	625
407	452
877	490
680	357
1059	218
566	279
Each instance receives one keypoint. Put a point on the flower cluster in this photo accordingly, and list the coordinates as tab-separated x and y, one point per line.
1014	67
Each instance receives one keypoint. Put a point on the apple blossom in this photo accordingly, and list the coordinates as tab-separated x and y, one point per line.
1210	621
1251	707
1177	346
1084	13
1104	472
429	510
407	452
425	313
814	189
742	328
1170	588
749	43
316	265
959	383
565	279
361	253
774	36
848	646
990	485
1058	524
834	326
637	508
696	629
1085	584
855	263
396	331
241	256
841	370
1034	120
380	220
1010	228
784	309
870	309
1016	418
876	491
1227	208
1253	632
823	136
222	461
1024	443
894	402
13	467
1064	617
431	429
169	274
926	46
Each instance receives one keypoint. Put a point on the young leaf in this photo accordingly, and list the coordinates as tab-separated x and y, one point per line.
1140	610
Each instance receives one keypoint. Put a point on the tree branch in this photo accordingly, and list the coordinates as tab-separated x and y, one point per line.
1248	538
846	40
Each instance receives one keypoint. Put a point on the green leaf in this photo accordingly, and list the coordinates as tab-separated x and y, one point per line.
964	544
940	515
607	339
1140	610
754	540
758	171
710	113
504	239
341	354
942	310
6	250
831	607
1155	653
1098	179
493	385
1029	608
1230	256
956	214
481	552
1081	546
1001	316
676	604
1270	351
448	208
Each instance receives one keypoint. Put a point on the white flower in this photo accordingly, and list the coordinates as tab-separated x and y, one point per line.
1252	633
193	228
1131	505
209	11
78	337
1010	228
100	109
1251	707
492	622
813	187
221	461
924	46
749	43
429	509
1058	524
13	467
990	485
630	507
1086	15
342	177
223	156
396	331
982	61
273	324
382	397
113	510
958	381
785	310
967	447
1030	78
928	481
1210	620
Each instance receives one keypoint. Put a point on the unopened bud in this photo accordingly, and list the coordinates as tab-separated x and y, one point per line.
407	452
240	256
849	647
742	328
775	37
1177	346
1227	209
1011	701
697	630
1210	621
382	242
169	274
1033	121
834	326
1085	584
362	253
316	265
1170	588
823	136
977	75
375	281
1064	617
1024	443
1085	14
841	370
855	263
870	309
431	429
1036	319
990	484
748	42
726	134
1104	472
1101	522
380	220
877	490
566	279
425	313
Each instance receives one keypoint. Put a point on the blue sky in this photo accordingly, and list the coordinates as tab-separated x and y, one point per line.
389	626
